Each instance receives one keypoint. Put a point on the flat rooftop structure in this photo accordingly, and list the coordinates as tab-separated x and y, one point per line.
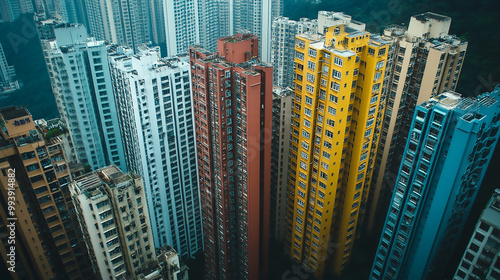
115	175
89	185
426	16
237	38
13	112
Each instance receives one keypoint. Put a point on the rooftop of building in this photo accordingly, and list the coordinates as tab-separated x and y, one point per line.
282	92
313	37
239	37
90	184
468	105
334	15
113	175
424	17
215	59
13	112
123	53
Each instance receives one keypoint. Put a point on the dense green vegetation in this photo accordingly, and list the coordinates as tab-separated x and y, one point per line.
477	22
22	49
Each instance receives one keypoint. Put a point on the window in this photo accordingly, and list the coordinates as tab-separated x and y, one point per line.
333	98
324	165
304	155
328	133
303	185
363	156
327	144
309	100
376	87
338	61
307	123
303	165
372	111
373	99
380	64
301	194
369	122
336	74
312	52
307	112
311	65
326	155
362	167
368	132
310	77
330	122
299	55
305	145
332	110
334	86
310	88
305	134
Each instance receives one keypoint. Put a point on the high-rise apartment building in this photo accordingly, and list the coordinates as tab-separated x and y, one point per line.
157	33
425	61
181	25
125	22
10	10
283	47
450	144
81	82
43	239
338	81
70	11
155	108
283	40
214	22
280	157
232	94
113	214
327	19
481	259
8	83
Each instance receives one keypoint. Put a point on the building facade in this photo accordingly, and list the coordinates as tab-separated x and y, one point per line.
283	47
338	81
155	108
81	82
232	94
280	158
113	214
481	258
35	175
120	22
283	40
10	10
426	61
8	83
449	147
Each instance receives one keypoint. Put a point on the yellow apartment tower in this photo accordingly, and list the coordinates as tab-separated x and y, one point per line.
335	131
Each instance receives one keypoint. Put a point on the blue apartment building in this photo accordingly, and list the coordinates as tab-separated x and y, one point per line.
449	147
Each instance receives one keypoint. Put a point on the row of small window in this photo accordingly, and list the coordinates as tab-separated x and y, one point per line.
313	53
